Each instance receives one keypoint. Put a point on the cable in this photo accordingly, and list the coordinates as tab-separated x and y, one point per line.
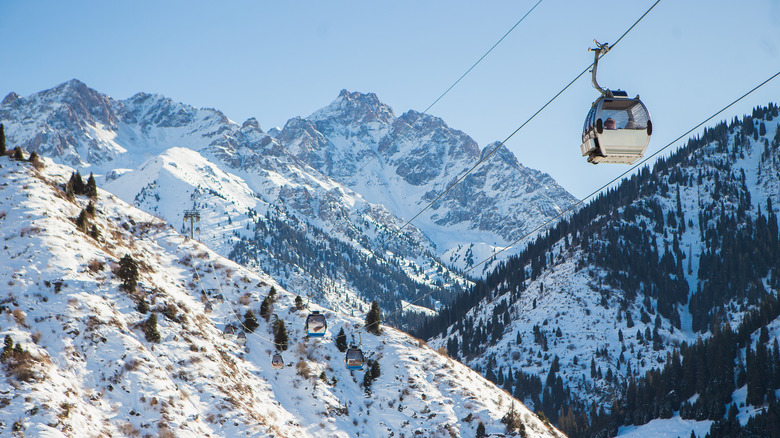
626	172
603	186
483	159
419	115
232	310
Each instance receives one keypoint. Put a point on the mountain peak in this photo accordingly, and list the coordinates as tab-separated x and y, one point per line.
355	107
251	123
75	87
10	98
502	153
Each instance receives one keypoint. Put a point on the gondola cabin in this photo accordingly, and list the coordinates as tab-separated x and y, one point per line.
617	129
354	359
241	337
316	325
277	362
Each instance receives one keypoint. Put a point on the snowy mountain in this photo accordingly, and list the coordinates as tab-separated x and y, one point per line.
585	324
405	162
335	184
115	324
167	157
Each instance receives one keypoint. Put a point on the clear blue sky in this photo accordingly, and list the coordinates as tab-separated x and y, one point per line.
277	60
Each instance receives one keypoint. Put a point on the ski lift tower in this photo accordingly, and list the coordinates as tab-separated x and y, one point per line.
192	215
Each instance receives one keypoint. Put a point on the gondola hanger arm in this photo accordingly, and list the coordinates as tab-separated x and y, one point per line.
600	50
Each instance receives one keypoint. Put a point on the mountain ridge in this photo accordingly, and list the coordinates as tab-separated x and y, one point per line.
95	353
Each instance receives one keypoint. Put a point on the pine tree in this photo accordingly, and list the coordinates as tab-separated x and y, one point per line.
265	308
373	319
128	273
82	222
513	421
298	303
150	329
91	188
250	322
280	335
341	340
2	140
481	430
76	183
372	374
7	348
18	155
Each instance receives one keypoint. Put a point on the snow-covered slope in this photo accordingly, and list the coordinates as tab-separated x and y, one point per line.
86	365
406	162
167	157
357	142
653	264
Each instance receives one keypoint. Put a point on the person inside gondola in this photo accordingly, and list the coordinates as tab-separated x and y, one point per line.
610	123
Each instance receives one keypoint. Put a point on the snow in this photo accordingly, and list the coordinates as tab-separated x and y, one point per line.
568	296
666	428
96	372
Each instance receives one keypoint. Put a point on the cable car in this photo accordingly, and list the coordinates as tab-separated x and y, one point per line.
354	359
316	325
277	362
617	128
242	337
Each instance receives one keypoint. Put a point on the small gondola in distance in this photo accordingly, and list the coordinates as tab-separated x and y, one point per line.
316	325
354	359
277	362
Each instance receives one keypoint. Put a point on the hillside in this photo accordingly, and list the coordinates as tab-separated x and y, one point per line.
118	325
640	276
309	204
166	157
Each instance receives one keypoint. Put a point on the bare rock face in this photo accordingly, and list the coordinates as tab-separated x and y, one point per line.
402	163
358	141
10	98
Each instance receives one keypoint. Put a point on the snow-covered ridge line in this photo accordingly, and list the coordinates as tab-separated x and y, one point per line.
94	368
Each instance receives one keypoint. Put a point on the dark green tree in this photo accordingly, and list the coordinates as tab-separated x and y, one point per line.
76	183
150	329
91	188
128	273
481	430
373	319
265	308
250	322
2	140
298	303
8	347
372	373
82	222
341	340
280	335
513	421
18	155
